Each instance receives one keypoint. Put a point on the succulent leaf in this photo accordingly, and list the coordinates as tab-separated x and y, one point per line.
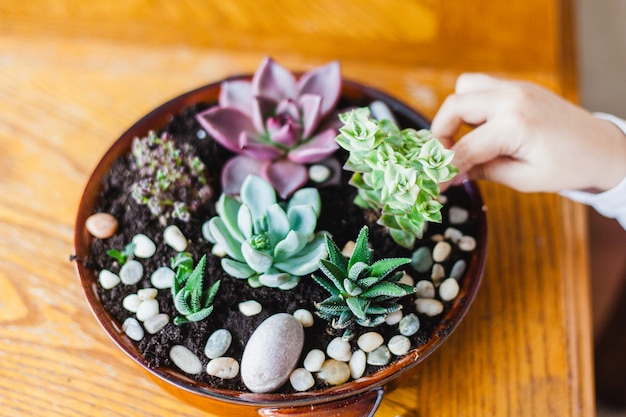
237	269
190	300
383	267
361	252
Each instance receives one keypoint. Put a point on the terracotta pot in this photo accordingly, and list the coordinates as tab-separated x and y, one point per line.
355	398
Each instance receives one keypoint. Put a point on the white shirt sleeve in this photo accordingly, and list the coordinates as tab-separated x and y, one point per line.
610	203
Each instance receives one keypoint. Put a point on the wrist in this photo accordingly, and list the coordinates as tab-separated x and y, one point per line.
612	167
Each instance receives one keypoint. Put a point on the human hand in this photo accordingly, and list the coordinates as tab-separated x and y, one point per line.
529	138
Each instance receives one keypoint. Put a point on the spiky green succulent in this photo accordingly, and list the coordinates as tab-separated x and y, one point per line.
361	291
396	172
191	301
268	243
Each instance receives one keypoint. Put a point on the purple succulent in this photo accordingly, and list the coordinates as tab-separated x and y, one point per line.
276	124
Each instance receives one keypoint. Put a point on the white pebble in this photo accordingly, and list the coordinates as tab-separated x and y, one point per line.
429	306
250	308
319	173
357	364
452	234
144	246
441	251
218	343
218	251
379	356
131	302
101	225
223	367
449	289
339	349
185	359
437	273
133	329
147	293
314	360
406	279
155	323
147	309
394	318
301	379
409	325
467	243
108	279
334	372
458	215
425	289
131	272
175	238
162	277
399	345
304	316
369	341
348	248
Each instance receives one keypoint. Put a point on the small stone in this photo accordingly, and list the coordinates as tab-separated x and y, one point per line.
438	273
449	289
156	323
319	173
425	289
144	246
305	317
369	341
458	269
147	309
394	318
218	343
437	237
185	360
108	279
218	251
467	243
272	353
162	278
131	272
301	379
409	325
399	345
379	356
441	251
407	279
429	306
357	364
147	293
131	302
339	349
452	234
175	238
250	308
101	225
133	329
223	367
348	248
314	360
422	259
442	198
334	372
458	215
201	134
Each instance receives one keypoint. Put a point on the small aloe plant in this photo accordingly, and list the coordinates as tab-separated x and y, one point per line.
268	243
361	291
191	301
121	256
396	172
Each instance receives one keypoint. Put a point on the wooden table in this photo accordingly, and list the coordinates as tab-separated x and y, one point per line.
75	74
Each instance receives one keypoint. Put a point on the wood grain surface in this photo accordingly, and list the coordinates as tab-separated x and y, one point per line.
74	75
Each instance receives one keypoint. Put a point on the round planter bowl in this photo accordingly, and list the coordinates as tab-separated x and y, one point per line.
355	398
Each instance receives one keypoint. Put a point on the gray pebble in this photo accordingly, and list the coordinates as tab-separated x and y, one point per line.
223	367
458	269
458	215
422	259
133	329
409	325
379	357
185	360
131	272
271	353
218	343
156	323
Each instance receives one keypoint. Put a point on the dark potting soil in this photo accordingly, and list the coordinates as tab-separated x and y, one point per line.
339	216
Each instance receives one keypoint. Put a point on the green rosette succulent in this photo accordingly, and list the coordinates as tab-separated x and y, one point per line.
268	243
191	301
361	291
396	172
